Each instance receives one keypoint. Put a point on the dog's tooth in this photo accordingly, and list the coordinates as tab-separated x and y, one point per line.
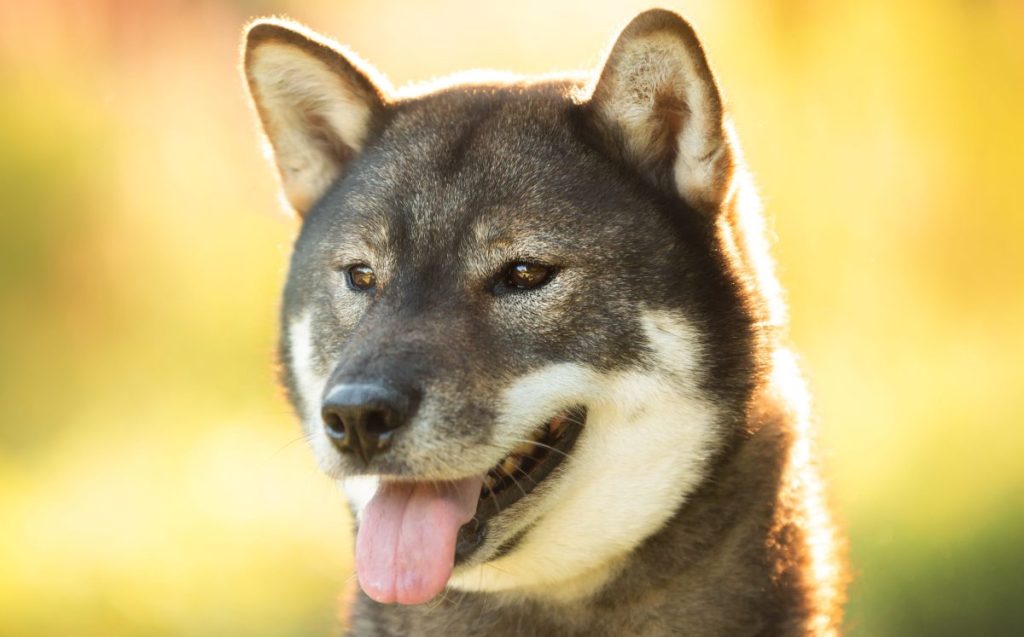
556	423
509	466
523	449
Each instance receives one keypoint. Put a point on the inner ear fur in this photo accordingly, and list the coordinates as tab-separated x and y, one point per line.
317	104
656	104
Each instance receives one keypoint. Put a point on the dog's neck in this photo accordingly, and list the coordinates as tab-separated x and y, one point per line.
740	556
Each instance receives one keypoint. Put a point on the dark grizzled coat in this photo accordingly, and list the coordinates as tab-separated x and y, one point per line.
642	171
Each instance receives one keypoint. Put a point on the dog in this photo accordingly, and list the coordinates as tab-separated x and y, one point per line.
532	327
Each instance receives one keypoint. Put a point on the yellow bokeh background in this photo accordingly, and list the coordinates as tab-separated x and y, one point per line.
153	480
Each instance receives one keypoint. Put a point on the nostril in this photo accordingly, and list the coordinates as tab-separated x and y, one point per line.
363	418
378	423
335	426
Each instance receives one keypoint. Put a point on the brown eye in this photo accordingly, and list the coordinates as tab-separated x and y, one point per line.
527	276
361	277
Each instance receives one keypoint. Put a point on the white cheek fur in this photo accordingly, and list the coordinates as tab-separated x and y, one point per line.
309	384
645	447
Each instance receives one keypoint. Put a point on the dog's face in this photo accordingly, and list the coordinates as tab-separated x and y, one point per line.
509	302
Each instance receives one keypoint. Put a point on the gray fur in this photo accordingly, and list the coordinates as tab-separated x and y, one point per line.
450	186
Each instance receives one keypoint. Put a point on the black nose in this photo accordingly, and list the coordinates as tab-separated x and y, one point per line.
362	418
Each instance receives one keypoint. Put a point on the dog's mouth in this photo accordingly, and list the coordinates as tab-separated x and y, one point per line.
412	533
519	473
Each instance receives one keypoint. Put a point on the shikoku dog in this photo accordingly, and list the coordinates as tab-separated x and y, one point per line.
531	325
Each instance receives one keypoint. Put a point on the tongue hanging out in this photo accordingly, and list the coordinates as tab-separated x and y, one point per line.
405	548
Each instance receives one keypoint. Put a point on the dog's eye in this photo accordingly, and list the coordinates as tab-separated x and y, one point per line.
361	277
527	276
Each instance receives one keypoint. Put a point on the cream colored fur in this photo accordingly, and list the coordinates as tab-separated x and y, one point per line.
300	99
647	438
311	381
642	77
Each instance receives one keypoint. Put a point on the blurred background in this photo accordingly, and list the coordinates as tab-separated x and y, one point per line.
152	478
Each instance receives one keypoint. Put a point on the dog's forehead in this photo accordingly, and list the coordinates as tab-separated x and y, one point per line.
455	161
474	178
464	126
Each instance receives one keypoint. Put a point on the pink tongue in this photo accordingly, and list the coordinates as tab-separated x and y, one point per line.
405	548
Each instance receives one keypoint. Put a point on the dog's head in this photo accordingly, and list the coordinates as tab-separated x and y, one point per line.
514	308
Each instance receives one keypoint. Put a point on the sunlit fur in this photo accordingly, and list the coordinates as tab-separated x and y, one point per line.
657	92
656	439
804	496
742	232
313	116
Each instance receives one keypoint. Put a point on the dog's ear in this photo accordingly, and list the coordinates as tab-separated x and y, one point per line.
317	105
656	105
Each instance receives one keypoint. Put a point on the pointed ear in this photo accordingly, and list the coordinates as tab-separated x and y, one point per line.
656	105
317	106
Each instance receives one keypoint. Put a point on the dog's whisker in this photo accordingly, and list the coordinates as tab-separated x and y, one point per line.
306	437
494	498
526	475
497	568
462	597
542	445
518	486
440	599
